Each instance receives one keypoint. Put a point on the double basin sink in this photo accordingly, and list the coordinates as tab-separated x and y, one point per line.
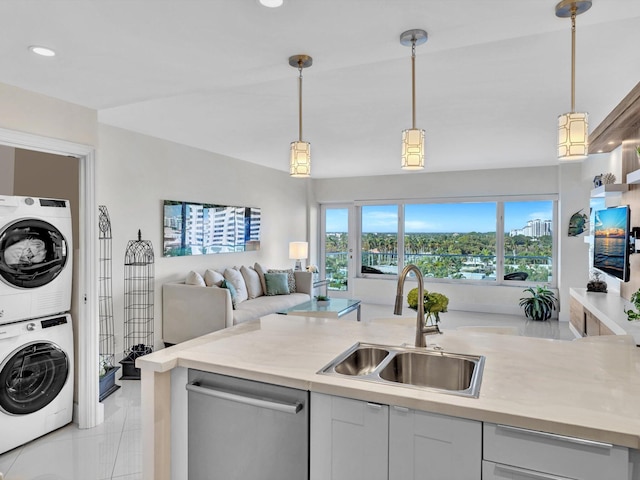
440	371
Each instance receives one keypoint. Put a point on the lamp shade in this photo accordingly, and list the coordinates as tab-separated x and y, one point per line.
298	250
413	149
300	164
573	136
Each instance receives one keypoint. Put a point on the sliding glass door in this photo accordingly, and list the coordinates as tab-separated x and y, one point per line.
336	256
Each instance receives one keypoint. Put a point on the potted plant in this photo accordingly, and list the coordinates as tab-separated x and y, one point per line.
322	299
540	304
631	313
638	151
434	304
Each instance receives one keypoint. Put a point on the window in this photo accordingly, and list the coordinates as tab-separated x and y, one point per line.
528	241
379	240
456	241
451	240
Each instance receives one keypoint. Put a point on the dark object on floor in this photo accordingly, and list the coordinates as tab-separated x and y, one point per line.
108	383
516	276
129	370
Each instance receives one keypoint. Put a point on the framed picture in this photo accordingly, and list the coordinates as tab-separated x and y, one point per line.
204	228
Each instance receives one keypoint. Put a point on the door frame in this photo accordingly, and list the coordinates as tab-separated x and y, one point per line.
89	412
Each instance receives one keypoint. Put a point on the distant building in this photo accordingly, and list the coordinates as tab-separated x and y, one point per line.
534	228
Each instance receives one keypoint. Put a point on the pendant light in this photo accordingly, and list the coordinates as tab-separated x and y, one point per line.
413	138
573	128
300	163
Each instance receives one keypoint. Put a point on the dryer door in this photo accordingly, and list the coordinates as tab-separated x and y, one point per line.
32	253
31	377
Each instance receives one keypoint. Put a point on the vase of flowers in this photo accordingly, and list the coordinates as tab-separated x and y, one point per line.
434	304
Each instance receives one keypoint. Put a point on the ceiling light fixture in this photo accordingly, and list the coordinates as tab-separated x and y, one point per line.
42	51
300	163
413	138
573	128
271	3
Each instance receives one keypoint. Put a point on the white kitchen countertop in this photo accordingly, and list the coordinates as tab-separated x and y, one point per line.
579	389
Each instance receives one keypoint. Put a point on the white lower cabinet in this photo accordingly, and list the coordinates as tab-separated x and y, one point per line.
429	446
349	439
353	440
518	454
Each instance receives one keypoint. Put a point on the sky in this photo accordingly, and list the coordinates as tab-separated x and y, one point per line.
442	217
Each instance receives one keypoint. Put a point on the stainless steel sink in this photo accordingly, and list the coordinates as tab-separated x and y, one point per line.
445	372
362	361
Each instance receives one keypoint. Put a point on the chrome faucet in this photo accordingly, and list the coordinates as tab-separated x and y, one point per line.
421	328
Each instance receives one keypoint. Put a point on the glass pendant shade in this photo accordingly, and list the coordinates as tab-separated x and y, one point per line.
573	136
413	149
300	164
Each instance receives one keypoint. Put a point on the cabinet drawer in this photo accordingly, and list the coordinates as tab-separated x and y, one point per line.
554	454
497	471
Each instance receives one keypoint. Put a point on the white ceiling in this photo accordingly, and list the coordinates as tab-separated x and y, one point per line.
214	74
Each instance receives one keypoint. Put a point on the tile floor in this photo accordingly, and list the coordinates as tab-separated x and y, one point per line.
112	450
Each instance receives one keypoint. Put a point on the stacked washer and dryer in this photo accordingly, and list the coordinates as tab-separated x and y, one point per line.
36	335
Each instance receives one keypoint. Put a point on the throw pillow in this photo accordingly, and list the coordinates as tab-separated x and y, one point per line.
290	277
235	277
194	278
261	271
277	284
213	278
252	280
232	291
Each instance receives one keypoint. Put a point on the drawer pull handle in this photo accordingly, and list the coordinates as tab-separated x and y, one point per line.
292	408
528	473
375	406
555	436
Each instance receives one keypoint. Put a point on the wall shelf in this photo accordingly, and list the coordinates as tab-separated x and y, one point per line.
611	189
633	177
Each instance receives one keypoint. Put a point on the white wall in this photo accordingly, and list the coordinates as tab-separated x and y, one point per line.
37	114
136	173
481	183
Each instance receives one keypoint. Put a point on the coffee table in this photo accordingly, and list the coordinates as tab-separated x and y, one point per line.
334	308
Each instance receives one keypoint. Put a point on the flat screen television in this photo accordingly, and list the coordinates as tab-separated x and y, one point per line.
611	241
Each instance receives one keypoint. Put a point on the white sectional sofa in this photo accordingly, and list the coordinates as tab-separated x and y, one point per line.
193	308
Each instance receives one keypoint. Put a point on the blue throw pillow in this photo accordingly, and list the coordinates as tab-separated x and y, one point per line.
277	283
232	291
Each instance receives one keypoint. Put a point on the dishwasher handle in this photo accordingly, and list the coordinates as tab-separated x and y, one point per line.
292	408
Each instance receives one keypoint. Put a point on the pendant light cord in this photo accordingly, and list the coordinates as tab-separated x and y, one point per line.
300	100
573	58
413	82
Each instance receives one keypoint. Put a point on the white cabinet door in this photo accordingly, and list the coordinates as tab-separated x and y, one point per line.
428	446
349	439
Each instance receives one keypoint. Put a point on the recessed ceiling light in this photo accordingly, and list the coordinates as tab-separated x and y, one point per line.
44	51
611	142
271	3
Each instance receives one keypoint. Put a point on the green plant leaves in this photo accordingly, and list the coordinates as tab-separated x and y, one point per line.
540	305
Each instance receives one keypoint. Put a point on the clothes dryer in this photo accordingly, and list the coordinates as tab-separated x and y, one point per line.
36	270
36	378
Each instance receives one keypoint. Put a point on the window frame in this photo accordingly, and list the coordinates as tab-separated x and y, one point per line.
500	264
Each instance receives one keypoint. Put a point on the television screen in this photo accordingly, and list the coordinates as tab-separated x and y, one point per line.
611	242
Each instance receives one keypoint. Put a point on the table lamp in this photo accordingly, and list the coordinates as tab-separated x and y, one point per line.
297	252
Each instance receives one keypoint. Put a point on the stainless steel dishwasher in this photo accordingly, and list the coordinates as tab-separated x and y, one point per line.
245	430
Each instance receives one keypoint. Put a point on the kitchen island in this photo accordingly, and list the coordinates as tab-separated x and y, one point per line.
574	389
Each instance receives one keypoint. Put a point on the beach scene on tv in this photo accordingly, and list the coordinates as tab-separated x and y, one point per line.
610	244
202	228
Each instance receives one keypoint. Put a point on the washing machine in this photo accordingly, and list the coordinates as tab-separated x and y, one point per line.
36	270
36	378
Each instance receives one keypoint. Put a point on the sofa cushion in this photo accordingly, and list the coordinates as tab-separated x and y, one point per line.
194	278
252	281
213	278
235	277
261	271
290	277
261	306
277	284
232	291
